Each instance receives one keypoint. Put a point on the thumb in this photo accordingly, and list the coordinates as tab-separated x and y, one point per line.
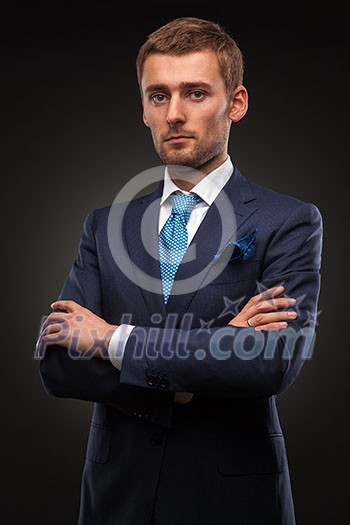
68	306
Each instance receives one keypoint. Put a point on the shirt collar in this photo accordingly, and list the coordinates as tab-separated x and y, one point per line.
208	188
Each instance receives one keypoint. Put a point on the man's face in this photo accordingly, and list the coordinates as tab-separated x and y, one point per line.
186	107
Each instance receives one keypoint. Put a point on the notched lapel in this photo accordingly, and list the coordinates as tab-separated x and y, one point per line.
141	235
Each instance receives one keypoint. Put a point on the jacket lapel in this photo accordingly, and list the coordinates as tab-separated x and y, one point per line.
141	237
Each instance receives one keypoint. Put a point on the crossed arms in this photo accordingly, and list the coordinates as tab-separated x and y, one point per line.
273	362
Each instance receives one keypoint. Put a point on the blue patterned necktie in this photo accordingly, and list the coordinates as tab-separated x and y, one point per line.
173	239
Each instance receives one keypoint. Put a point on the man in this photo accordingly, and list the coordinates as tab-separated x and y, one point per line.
184	355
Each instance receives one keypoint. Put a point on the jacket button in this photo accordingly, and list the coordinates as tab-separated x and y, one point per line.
151	380
156	381
156	438
164	383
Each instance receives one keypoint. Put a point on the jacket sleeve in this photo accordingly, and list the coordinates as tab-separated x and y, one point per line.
95	379
233	361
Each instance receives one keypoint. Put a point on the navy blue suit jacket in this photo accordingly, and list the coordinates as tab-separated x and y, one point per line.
220	458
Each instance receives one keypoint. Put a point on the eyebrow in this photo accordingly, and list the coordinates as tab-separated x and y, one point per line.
183	85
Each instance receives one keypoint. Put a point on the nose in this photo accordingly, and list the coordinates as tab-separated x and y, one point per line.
175	114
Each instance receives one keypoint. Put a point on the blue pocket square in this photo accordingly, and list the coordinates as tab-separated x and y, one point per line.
244	248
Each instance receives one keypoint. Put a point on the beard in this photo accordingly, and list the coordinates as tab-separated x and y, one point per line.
196	154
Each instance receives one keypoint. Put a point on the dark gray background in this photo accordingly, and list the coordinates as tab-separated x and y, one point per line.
73	135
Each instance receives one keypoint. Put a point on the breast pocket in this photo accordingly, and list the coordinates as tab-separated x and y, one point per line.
252	456
233	272
98	443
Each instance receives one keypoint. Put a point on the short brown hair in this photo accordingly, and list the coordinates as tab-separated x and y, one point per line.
188	34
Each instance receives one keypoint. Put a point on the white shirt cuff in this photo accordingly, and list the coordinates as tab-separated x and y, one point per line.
117	344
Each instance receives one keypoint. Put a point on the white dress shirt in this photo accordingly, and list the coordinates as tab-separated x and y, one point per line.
208	189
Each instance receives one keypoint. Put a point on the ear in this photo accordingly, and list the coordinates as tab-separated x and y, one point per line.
145	119
238	104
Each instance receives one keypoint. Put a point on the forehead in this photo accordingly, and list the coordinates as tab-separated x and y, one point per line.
172	70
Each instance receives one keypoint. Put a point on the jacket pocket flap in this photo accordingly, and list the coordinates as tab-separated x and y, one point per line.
253	456
98	443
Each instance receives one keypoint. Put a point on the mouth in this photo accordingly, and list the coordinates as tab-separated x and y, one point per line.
178	139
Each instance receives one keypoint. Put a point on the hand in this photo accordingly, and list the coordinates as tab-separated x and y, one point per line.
77	329
183	397
265	311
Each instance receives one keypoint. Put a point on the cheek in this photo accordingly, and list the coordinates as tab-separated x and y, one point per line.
215	123
222	114
154	124
214	116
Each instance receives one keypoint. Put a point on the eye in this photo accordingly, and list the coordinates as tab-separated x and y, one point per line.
158	98
197	95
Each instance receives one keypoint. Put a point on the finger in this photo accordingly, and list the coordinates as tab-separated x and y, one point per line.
53	329
276	290
282	302
55	317
270	293
273	326
272	317
273	305
68	306
57	338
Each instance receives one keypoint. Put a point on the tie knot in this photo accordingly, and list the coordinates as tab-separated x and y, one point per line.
184	204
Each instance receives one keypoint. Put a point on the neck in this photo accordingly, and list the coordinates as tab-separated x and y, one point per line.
187	177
